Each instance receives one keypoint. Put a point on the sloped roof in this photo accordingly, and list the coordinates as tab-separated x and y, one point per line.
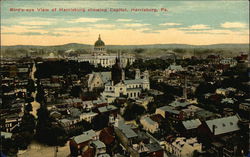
169	109
223	125
136	81
175	67
126	129
81	138
107	108
179	104
149	120
99	144
86	136
191	124
105	76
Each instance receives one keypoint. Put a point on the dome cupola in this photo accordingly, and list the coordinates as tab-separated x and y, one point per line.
99	42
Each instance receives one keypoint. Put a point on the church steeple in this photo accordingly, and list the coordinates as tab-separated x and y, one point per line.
116	71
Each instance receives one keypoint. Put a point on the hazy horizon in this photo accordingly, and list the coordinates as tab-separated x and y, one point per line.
175	22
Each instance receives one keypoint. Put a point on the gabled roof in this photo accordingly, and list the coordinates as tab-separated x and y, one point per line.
126	129
105	76
191	124
86	136
149	120
223	125
179	104
169	109
107	108
81	138
175	67
99	144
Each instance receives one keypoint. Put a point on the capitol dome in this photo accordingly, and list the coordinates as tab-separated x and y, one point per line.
99	42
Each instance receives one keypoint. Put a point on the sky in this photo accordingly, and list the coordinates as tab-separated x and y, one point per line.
179	22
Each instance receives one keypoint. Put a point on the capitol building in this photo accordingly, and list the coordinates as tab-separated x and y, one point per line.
100	56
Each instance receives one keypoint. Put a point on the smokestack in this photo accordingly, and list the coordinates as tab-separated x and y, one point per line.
214	126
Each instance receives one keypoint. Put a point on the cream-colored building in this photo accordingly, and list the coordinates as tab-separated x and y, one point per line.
129	88
183	147
100	56
149	125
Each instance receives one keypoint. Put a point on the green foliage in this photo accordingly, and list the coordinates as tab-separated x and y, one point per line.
23	139
46	132
28	123
100	121
63	68
8	147
151	64
132	111
76	91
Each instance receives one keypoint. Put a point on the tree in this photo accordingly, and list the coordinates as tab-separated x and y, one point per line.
28	123
76	91
100	121
43	124
46	132
28	108
31	86
132	111
40	96
23	139
8	147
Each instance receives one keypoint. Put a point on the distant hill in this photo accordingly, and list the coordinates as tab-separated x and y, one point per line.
151	50
167	46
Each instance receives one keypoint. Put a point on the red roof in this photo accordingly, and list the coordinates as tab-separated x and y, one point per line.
90	152
107	136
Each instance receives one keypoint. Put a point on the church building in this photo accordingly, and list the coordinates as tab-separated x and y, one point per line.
118	86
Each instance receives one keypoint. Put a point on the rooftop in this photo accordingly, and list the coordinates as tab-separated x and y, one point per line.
223	125
191	124
107	108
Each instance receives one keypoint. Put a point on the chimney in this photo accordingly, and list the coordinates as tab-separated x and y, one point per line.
214	126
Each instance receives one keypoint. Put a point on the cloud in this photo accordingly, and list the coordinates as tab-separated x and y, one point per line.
214	31
199	26
170	24
36	23
16	29
135	25
81	20
104	25
70	29
124	20
233	25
